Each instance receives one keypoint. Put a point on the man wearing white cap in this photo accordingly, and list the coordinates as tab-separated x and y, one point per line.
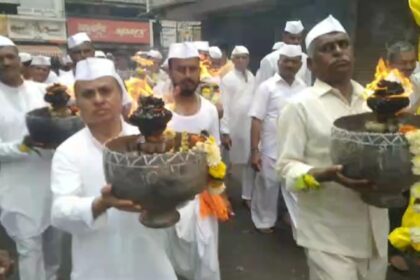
195	240
25	196
293	35
66	65
269	100
108	242
344	238
238	88
40	69
25	59
156	73
215	54
79	47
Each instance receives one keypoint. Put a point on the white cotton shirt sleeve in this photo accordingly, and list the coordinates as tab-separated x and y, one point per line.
214	127
9	151
265	72
226	94
260	102
71	211
291	141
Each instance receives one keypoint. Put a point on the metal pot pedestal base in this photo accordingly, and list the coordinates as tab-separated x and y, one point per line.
385	200
160	220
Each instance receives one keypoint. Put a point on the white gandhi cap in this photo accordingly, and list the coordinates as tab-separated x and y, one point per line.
328	25
183	51
215	52
154	54
93	68
100	54
202	45
290	50
77	39
40	60
277	45
294	27
25	57
240	50
6	42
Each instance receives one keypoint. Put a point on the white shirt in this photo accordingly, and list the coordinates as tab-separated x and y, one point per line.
115	246
237	93
206	118
52	78
194	247
270	98
269	67
24	178
333	219
67	78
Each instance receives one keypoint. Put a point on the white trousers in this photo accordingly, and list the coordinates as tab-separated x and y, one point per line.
39	256
265	195
247	180
326	266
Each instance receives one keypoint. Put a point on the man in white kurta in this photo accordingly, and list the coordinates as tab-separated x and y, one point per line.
25	197
343	237
268	102
293	35
237	91
108	243
194	243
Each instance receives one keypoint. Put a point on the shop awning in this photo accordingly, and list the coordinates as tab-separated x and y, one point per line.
41	50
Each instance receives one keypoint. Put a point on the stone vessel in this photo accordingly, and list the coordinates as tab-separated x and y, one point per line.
159	182
383	158
51	131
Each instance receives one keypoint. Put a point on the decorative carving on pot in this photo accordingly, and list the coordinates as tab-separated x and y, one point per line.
374	146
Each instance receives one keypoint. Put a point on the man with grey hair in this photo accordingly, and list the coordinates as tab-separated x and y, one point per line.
402	55
343	237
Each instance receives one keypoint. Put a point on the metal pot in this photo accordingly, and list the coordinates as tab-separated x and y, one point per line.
159	182
51	131
383	158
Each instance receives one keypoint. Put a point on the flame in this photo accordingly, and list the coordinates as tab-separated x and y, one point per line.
142	62
205	65
383	72
137	88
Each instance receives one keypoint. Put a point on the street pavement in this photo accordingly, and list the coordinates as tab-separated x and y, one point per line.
246	254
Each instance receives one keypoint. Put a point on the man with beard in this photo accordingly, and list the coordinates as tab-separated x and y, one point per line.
195	240
267	104
343	237
292	35
238	88
25	196
108	241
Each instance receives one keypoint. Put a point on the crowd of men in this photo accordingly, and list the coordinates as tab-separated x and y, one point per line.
274	126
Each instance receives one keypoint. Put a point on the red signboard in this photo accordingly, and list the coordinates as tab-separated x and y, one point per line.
130	32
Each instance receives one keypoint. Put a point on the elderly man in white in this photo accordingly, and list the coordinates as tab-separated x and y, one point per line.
40	70
343	237
293	35
238	88
269	100
25	196
108	242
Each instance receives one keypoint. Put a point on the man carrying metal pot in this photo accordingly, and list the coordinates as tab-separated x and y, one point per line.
108	241
344	238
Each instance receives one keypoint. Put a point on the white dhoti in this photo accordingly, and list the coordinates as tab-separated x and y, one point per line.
193	245
326	266
265	195
290	199
247	180
39	256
